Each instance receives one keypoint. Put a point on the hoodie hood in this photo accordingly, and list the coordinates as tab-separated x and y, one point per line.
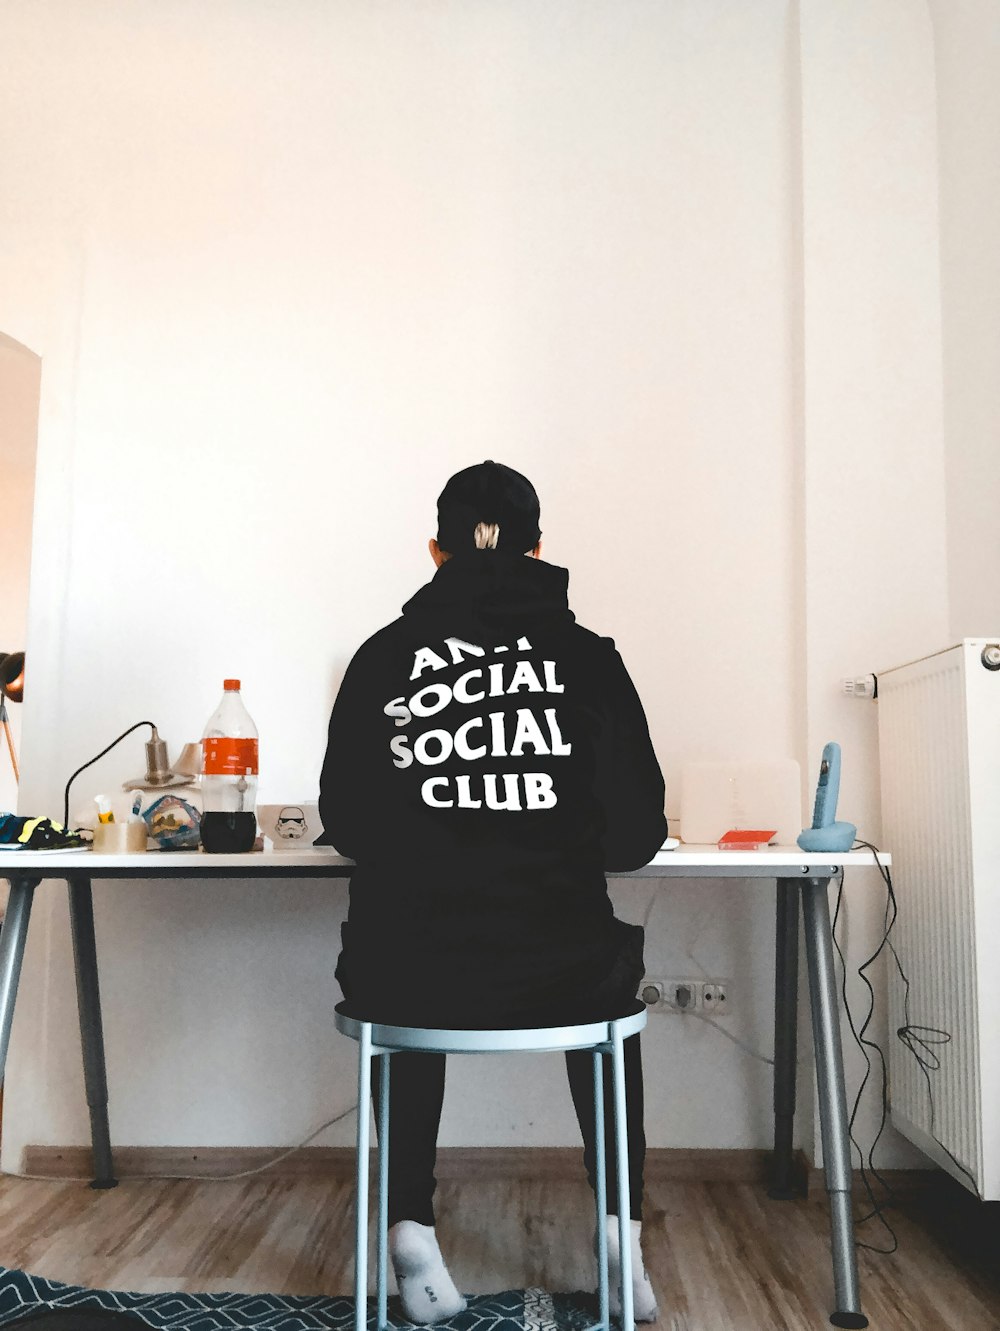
489	593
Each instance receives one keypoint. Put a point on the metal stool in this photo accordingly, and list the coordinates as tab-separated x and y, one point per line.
599	1036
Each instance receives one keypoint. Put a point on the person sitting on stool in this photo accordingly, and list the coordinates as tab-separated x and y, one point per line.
488	762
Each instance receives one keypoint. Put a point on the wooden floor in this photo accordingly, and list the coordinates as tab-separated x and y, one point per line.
722	1256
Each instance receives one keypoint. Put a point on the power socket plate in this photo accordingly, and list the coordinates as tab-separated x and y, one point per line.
667	995
660	994
715	997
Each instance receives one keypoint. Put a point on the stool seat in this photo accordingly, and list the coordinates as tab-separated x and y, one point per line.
604	1038
460	1040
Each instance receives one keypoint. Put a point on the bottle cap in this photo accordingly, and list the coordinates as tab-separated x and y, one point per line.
230	684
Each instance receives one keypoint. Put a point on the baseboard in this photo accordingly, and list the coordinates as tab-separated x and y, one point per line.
903	1182
453	1162
469	1163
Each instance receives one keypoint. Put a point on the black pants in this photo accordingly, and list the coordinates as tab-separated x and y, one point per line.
416	1093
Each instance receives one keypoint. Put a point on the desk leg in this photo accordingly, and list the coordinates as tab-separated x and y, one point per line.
786	984
12	939
81	911
832	1100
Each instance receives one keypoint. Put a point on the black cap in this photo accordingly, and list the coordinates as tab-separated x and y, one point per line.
488	492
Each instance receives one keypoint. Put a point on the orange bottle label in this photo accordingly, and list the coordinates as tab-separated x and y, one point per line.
222	756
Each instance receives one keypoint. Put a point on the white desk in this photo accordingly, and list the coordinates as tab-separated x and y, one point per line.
797	874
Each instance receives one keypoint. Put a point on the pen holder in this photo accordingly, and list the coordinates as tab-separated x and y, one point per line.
119	838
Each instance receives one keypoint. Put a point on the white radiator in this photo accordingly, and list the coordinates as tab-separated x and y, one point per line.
939	743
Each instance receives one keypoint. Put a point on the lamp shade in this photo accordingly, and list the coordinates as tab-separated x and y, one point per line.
12	675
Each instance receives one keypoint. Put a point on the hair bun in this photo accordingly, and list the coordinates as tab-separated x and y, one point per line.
488	494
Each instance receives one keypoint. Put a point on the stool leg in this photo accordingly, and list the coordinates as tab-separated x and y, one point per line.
383	1192
601	1191
361	1180
621	1162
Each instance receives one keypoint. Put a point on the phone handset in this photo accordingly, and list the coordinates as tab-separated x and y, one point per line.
826	833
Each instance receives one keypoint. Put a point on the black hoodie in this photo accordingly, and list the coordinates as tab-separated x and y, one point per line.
488	762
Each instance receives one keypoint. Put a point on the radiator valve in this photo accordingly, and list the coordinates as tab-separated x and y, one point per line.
862	686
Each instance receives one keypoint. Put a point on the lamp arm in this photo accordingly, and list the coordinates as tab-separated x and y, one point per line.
95	759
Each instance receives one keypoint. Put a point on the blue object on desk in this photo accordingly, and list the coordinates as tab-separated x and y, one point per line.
826	833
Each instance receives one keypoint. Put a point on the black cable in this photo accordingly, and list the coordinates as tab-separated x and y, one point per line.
906	1034
887	926
861	1043
94	760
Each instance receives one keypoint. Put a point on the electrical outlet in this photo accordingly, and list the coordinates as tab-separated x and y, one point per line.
683	995
668	995
715	997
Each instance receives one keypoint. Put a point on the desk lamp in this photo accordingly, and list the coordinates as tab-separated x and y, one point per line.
159	775
12	687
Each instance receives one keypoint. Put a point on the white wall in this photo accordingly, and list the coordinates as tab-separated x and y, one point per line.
967	52
287	269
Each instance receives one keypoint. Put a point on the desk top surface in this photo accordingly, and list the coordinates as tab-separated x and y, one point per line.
319	862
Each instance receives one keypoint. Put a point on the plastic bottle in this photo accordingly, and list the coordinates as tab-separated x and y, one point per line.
229	776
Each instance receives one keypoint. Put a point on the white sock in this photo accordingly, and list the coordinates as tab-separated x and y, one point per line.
426	1290
643	1298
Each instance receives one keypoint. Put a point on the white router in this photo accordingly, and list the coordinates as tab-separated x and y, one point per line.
717	797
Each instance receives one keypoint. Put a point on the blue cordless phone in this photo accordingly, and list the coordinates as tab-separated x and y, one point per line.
826	833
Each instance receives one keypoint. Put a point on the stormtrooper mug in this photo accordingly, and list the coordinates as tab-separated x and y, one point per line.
290	826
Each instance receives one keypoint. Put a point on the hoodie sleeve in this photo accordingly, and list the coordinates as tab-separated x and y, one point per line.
628	780
346	806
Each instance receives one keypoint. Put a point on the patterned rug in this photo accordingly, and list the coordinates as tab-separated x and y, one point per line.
513	1310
